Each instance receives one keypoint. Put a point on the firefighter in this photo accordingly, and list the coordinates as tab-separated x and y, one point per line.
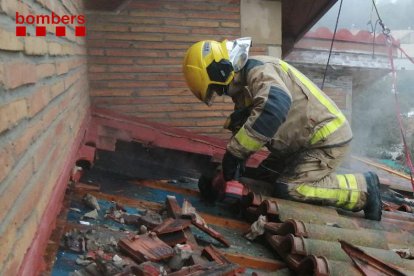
277	107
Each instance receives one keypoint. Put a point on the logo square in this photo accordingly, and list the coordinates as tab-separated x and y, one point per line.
20	30
60	31
40	30
80	31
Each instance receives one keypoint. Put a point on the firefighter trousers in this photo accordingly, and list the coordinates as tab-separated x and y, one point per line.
309	176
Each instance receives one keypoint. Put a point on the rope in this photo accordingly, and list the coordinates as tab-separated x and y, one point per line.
332	42
390	42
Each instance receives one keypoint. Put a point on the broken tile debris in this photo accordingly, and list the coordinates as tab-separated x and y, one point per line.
91	202
147	247
188	211
163	244
91	215
182	253
158	246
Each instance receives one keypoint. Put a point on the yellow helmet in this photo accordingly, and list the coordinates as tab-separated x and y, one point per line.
207	69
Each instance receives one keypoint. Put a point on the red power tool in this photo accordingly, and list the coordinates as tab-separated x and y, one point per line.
232	189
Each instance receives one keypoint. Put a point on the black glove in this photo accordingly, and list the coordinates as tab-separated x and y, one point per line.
237	119
233	167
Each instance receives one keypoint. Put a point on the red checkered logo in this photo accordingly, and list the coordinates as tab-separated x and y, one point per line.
61	22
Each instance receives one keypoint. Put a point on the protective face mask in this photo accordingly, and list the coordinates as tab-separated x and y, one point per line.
239	52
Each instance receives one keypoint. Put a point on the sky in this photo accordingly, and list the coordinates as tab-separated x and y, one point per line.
356	14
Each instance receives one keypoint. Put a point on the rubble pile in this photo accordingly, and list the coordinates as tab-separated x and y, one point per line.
159	245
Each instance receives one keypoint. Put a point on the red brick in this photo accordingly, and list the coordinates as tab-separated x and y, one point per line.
108	44
69	80
159	46
133	19
51	115
145	69
57	88
166	77
149	115
23	242
161	61
11	113
180	54
216	31
157	92
62	67
45	70
180	123
111	92
225	2
211	122
110	60
23	211
176	84
192	23
27	137
97	68
35	46
197	114
134	84
12	6
126	36
135	53
145	5
55	49
13	190
190	38
184	99
6	161
9	41
38	100
96	52
227	9
159	14
112	76
229	24
187	6
159	30
19	73
108	28
1	74
213	15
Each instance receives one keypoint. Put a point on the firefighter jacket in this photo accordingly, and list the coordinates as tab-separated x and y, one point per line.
289	113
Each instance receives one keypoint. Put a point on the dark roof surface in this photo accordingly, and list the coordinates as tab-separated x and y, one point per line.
136	170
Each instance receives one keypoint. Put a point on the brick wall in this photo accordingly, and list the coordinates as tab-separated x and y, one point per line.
43	100
135	60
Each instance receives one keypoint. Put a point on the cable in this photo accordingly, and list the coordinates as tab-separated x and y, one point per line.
332	42
376	10
390	42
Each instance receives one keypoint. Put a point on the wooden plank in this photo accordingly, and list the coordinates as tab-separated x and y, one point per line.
225	222
254	262
382	167
163	185
86	187
137	203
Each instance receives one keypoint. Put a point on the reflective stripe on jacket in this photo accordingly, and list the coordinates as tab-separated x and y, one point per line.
290	113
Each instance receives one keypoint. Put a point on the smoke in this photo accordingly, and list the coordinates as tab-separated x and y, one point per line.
375	125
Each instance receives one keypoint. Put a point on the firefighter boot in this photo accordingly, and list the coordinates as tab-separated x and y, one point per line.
373	206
